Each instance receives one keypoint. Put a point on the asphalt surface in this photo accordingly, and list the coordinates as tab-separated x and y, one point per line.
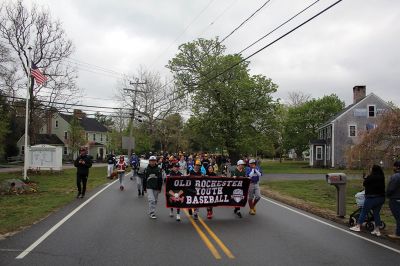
113	229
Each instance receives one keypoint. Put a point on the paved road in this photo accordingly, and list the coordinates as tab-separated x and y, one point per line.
113	229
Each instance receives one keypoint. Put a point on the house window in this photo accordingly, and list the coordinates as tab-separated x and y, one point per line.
101	137
56	124
329	133
319	153
94	136
352	131
65	150
65	135
22	149
371	111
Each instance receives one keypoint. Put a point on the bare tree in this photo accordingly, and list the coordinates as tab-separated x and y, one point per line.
297	98
155	100
20	29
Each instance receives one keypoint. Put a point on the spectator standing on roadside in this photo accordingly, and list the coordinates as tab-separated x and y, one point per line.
239	172
254	173
152	184
82	163
393	193
110	164
374	185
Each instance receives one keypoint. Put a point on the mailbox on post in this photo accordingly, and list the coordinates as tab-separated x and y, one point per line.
339	181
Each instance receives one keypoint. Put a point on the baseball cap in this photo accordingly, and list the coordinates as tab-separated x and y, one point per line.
152	158
240	162
197	162
252	161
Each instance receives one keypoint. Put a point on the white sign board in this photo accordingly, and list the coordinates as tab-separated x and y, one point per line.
45	157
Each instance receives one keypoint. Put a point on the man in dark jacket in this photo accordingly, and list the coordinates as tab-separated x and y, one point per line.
393	193
152	183
110	165
82	163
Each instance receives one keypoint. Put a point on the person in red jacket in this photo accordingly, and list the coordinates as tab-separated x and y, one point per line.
121	167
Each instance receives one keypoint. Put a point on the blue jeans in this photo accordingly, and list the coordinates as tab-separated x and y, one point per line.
394	205
374	204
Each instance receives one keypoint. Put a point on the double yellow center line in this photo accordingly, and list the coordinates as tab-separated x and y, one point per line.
207	241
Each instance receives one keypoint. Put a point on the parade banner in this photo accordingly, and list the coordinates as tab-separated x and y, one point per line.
198	191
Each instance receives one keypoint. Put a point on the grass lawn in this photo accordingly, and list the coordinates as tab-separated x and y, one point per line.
299	167
319	194
54	191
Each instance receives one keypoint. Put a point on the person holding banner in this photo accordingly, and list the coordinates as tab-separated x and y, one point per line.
195	172
152	184
239	172
175	172
210	172
254	173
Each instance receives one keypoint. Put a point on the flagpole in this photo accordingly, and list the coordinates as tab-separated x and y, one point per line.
26	151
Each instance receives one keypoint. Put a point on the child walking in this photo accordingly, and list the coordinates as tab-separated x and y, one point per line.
121	167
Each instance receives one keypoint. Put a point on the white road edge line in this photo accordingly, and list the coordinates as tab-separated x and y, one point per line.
331	225
55	227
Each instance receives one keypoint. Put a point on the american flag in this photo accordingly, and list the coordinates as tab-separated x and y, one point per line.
37	75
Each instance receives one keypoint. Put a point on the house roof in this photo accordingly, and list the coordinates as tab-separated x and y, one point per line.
348	108
50	139
88	124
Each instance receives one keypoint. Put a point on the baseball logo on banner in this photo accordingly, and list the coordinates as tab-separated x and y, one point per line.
195	191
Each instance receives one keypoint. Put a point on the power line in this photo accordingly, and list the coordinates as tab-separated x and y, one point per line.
271	43
218	17
245	21
71	104
284	23
95	66
68	95
183	32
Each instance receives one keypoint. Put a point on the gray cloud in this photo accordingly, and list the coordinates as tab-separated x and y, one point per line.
354	43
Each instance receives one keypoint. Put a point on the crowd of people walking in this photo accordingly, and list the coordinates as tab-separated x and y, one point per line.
151	179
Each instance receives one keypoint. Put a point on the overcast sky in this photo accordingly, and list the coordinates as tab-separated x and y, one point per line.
354	43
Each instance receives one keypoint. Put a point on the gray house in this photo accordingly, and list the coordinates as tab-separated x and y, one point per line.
342	131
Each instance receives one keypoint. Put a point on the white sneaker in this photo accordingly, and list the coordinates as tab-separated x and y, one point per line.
376	232
153	216
171	213
178	217
355	228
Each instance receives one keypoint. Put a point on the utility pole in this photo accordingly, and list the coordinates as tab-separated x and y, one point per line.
135	91
27	113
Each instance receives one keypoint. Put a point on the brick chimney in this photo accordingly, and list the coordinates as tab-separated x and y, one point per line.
49	116
79	114
359	93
